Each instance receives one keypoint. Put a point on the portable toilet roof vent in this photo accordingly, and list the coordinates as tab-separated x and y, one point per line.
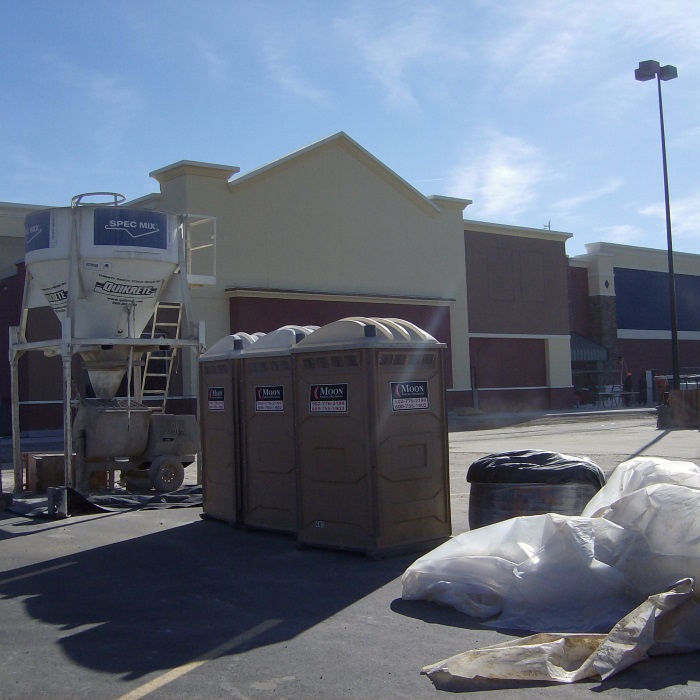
279	341
368	331
229	346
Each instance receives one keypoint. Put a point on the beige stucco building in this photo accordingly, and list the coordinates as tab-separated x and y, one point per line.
329	232
327	225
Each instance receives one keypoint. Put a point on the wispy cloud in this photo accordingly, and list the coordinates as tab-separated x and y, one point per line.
675	24
104	106
216	66
530	55
115	104
623	234
25	166
689	138
112	93
576	201
541	41
291	77
685	215
502	179
392	52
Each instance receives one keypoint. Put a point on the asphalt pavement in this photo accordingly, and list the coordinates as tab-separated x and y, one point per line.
165	605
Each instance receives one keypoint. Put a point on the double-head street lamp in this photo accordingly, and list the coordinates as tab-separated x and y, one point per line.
648	70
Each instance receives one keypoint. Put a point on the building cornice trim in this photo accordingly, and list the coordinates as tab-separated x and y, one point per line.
319	295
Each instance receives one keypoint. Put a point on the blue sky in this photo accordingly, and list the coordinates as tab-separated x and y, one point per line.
527	107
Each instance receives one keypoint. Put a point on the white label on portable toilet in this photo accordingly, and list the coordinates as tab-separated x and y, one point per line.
409	396
215	398
269	399
328	398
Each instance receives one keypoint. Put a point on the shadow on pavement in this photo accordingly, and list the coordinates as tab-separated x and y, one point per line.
435	614
159	601
657	673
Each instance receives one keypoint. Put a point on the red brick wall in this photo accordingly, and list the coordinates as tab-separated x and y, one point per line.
251	314
516	285
508	362
578	301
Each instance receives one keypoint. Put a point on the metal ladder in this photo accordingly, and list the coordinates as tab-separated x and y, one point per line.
158	365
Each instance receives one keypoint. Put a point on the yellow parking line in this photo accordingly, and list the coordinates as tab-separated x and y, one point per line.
36	573
180	671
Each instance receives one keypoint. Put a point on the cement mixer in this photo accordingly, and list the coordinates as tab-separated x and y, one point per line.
103	269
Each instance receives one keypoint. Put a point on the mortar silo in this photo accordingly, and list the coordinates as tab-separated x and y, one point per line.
109	265
104	269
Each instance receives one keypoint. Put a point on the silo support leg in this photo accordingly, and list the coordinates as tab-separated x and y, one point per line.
67	423
16	444
14	389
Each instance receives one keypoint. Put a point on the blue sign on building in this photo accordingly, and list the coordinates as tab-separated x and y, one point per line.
135	228
37	231
643	300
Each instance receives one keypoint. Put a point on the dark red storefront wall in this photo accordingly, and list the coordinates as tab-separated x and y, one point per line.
505	368
646	354
252	314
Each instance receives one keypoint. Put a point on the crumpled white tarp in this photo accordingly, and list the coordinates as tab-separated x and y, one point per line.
637	537
647	631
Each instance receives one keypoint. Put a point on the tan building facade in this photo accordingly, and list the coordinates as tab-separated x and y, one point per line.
330	232
324	233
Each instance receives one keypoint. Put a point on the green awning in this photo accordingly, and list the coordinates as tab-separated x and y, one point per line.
584	350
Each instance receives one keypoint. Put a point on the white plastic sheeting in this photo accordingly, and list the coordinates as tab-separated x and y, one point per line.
637	537
649	630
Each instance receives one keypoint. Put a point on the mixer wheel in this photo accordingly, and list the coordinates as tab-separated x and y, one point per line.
167	474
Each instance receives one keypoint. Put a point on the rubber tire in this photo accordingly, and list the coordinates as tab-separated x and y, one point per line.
167	474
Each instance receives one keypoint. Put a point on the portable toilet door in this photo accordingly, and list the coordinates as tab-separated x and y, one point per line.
373	464
268	437
220	427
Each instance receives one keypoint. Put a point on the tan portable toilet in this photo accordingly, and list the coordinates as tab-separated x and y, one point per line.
268	438
372	452
219	424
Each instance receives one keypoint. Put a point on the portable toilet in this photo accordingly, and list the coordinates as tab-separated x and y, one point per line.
268	436
220	430
373	465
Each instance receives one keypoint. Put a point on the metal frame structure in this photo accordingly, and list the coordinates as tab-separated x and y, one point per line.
176	291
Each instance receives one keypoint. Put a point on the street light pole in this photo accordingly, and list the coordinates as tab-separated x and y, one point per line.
647	71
